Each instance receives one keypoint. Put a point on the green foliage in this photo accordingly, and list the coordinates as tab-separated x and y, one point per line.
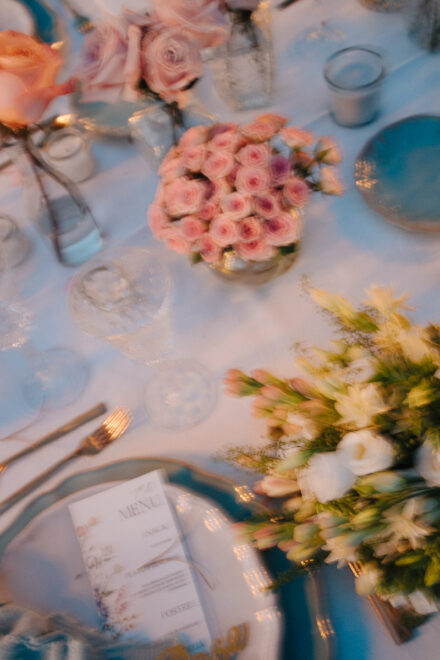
328	440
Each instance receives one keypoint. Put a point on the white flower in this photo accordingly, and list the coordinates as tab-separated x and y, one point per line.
361	369
325	477
330	184
367	581
359	405
341	550
403	527
421	603
428	464
333	303
384	300
414	343
365	451
306	429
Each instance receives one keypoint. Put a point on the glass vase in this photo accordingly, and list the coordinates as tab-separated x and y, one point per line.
243	67
424	23
233	268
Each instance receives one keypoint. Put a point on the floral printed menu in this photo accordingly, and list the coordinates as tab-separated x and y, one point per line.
141	578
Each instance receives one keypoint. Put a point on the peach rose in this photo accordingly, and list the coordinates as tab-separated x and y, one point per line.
170	61
218	165
171	169
279	168
254	155
184	196
326	151
236	205
257	250
208	249
217	189
252	180
250	229
28	71
264	127
209	210
329	183
296	192
174	240
282	230
223	230
296	138
192	227
226	141
194	157
193	136
216	129
157	220
266	205
203	19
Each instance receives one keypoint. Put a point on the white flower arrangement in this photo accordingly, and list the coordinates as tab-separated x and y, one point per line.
353	459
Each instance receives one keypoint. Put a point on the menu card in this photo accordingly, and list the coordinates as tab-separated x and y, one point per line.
141	578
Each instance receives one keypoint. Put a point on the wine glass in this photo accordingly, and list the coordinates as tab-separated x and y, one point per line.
123	296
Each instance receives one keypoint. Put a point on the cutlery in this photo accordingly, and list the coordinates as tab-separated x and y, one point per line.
73	424
385	611
82	23
111	429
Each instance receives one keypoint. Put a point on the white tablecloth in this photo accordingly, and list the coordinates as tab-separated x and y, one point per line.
346	247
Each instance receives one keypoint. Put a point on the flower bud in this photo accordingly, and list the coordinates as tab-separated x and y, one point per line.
380	482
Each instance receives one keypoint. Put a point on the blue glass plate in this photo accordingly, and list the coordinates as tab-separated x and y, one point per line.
298	641
397	173
47	25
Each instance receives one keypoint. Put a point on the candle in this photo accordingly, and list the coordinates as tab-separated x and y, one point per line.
354	76
14	245
69	152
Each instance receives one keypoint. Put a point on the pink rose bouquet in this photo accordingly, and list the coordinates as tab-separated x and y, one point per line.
239	190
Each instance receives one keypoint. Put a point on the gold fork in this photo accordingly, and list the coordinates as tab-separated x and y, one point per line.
111	429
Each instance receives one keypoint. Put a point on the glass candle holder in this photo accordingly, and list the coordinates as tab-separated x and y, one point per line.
68	151
14	245
354	77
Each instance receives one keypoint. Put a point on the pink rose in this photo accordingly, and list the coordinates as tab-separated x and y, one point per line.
216	129
254	155
204	20
257	250
252	180
329	183
282	230
266	205
174	240
223	230
226	141
170	61
193	136
171	169
208	249
184	196
302	160
194	157
296	138
326	151
232	176
209	210
192	227
296	192
279	168
250	229
217	189
157	220
264	127
218	165
236	205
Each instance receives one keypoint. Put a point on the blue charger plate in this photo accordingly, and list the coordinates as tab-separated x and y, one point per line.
47	25
397	173
300	635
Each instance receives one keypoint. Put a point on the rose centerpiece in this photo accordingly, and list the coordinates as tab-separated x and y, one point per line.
232	196
353	459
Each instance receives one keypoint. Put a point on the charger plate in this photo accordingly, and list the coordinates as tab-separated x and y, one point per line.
31	17
41	567
397	173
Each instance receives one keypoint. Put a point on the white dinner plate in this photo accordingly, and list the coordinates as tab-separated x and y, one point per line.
15	16
42	569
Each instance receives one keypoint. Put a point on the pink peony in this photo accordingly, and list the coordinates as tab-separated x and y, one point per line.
329	183
252	180
296	138
326	151
236	205
193	136
184	196
192	227
296	192
194	157
282	230
208	248
266	205
170	61
226	141
250	229
218	165
204	20
223	230
174	240
171	169
263	127
257	250
157	220
254	155
209	210
279	168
